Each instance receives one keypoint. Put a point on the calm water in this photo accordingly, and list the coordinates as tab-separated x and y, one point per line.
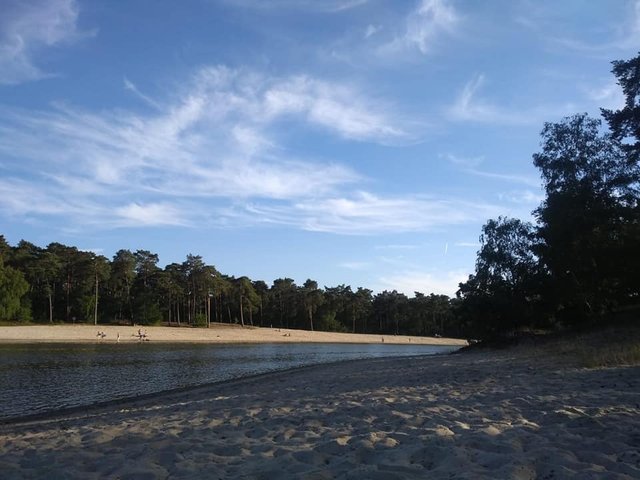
38	378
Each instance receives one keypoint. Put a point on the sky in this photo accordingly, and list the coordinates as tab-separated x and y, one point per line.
358	142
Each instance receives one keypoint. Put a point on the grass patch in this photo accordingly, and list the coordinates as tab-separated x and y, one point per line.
610	355
607	347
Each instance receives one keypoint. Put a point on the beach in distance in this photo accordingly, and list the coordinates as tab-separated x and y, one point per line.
218	333
524	413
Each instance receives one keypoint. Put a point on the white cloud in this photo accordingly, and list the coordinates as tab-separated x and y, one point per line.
371	30
506	177
397	246
217	139
354	265
470	166
623	35
366	213
334	107
467	244
424	26
608	95
28	27
410	281
463	162
130	86
469	107
329	6
151	214
526	197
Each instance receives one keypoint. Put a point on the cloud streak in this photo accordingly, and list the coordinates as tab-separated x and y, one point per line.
410	281
424	26
26	28
213	153
470	107
323	6
365	213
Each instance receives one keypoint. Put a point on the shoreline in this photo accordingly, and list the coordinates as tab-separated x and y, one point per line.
519	413
217	334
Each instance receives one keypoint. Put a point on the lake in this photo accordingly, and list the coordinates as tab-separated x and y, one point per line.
41	378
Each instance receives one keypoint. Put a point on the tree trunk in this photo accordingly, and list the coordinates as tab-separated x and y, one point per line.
310	310
50	308
353	318
95	307
241	313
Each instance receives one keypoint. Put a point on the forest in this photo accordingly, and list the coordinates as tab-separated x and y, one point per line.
576	265
62	283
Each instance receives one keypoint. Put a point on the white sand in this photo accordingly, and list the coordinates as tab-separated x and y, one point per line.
218	333
508	415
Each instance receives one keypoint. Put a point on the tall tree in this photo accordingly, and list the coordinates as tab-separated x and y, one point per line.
13	287
283	292
247	297
123	274
590	186
501	295
313	298
147	308
625	122
101	271
360	307
262	290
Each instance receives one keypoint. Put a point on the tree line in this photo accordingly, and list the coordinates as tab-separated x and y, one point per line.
60	283
578	263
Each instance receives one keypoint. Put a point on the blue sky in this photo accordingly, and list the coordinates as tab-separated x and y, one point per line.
349	141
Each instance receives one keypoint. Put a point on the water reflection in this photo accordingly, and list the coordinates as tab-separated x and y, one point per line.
36	378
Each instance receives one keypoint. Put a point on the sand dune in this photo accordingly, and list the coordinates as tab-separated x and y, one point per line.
218	333
509	415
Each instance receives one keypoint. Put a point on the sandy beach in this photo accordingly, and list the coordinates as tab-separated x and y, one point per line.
218	333
513	414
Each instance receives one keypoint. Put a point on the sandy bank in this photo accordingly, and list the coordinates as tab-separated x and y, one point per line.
508	415
218	333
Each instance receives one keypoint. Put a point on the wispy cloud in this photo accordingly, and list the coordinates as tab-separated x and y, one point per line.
216	142
526	197
424	26
607	95
470	166
620	36
366	213
468	106
624	37
467	244
151	214
397	246
130	86
354	265
330	6
371	30
410	281
28	27
335	107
